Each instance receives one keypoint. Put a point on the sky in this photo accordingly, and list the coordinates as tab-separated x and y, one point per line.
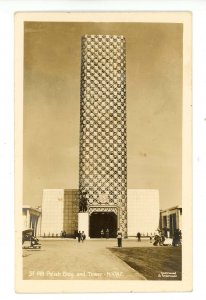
52	58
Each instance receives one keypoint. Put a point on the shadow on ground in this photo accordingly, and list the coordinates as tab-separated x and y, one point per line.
154	263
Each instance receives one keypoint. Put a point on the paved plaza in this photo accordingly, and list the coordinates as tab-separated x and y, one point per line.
68	259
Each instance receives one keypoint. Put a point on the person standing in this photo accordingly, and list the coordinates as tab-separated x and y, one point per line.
79	236
102	233
119	238
107	233
83	236
139	236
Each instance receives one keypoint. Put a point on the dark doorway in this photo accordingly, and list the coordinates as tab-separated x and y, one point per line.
173	224
103	220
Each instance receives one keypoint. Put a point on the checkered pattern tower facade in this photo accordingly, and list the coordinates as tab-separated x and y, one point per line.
103	144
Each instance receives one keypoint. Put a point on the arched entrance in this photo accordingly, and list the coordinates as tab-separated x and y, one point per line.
102	220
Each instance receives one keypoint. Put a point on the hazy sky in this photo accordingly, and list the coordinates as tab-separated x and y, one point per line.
52	106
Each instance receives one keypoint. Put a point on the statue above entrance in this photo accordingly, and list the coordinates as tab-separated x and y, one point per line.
83	202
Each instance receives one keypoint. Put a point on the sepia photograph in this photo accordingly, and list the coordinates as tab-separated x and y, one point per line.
103	152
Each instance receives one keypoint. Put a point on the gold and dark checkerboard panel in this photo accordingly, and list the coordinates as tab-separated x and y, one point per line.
103	149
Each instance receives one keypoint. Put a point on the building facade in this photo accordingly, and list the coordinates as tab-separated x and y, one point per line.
59	212
31	218
170	220
103	141
143	211
102	203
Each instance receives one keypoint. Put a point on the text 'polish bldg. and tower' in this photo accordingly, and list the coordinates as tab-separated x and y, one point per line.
103	199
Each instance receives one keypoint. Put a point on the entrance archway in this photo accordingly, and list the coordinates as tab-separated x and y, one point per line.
103	220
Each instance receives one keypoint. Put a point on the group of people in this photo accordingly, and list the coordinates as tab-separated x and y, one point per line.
63	234
81	236
31	240
106	234
159	237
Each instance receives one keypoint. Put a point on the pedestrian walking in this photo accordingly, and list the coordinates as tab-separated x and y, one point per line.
119	238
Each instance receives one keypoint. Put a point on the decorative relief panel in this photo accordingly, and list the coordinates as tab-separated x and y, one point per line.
103	209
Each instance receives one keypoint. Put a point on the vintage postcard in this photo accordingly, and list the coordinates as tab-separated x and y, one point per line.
103	152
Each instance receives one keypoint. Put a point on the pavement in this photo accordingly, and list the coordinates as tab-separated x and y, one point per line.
68	259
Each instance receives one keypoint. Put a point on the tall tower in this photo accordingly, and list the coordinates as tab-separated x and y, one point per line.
103	143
